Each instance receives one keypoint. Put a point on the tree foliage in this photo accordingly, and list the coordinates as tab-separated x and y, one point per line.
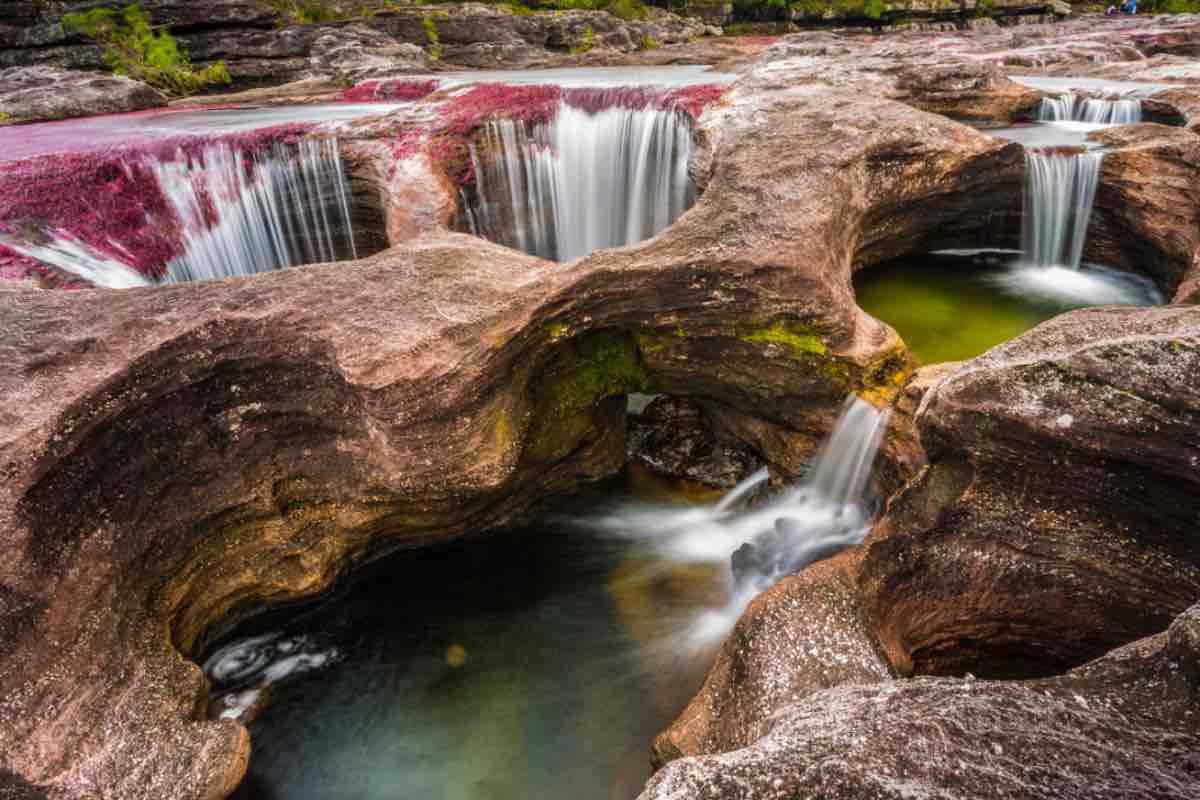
133	47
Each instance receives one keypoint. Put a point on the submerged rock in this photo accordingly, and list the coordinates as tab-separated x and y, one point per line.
34	94
671	438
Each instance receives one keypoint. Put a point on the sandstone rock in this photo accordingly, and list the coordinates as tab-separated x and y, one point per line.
357	52
32	94
1122	726
1145	218
799	637
1048	525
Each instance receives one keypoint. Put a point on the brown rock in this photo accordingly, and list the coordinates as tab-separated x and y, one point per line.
1048	526
799	637
1122	726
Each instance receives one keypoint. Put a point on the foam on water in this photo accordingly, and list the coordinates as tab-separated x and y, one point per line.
582	181
825	513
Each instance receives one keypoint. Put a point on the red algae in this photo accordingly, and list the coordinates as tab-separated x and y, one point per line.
110	199
691	100
462	114
393	90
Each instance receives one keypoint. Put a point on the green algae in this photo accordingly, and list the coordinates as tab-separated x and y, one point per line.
801	340
944	307
605	364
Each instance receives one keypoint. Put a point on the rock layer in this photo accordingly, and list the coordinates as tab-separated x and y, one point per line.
29	94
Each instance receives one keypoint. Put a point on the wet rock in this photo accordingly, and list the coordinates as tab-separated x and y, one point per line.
671	438
1048	526
798	638
1145	218
33	94
1121	726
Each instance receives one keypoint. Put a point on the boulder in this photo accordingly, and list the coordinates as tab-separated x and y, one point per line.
33	94
1123	725
1048	526
671	438
798	638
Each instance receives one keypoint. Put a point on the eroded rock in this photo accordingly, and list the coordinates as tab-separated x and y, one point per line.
34	94
1124	725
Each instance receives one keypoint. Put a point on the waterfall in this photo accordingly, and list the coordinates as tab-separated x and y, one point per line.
582	181
272	210
236	213
824	513
1059	191
1072	107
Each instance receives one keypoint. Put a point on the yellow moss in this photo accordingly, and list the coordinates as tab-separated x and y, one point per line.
800	340
556	331
608	364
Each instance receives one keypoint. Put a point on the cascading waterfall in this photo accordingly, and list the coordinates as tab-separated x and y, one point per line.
1072	107
237	213
825	513
583	181
1059	191
272	210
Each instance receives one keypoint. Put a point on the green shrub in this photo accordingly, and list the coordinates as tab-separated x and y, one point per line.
431	33
873	8
132	47
650	43
309	12
586	43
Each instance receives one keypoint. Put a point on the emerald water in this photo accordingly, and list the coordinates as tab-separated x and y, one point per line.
536	664
955	305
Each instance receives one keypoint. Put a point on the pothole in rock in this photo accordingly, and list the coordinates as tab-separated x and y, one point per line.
953	305
609	169
188	210
533	663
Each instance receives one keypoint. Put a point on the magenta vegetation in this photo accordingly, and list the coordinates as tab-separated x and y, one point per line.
394	90
109	200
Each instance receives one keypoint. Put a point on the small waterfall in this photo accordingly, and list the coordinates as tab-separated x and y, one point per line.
1059	191
272	210
236	213
825	513
1072	107
583	181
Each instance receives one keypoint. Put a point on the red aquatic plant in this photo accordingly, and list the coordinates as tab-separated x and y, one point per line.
110	199
462	114
394	90
691	100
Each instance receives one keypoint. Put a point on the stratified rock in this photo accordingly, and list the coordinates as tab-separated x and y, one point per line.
1123	726
32	94
799	637
1146	218
1052	522
357	52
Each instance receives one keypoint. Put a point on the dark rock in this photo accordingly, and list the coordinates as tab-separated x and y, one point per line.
671	438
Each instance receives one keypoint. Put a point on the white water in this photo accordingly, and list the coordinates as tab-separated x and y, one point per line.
1059	191
581	182
1072	107
275	209
825	513
251	665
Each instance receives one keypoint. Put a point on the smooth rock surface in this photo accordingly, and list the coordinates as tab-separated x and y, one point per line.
35	94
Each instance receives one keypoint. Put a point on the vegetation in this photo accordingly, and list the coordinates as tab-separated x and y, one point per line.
650	43
431	33
135	48
1173	6
586	43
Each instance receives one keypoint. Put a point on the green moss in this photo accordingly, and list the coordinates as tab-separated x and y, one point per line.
5	118
557	331
650	43
802	341
606	364
586	43
431	33
133	46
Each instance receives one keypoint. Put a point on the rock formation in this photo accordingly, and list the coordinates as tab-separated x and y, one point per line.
176	459
29	94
